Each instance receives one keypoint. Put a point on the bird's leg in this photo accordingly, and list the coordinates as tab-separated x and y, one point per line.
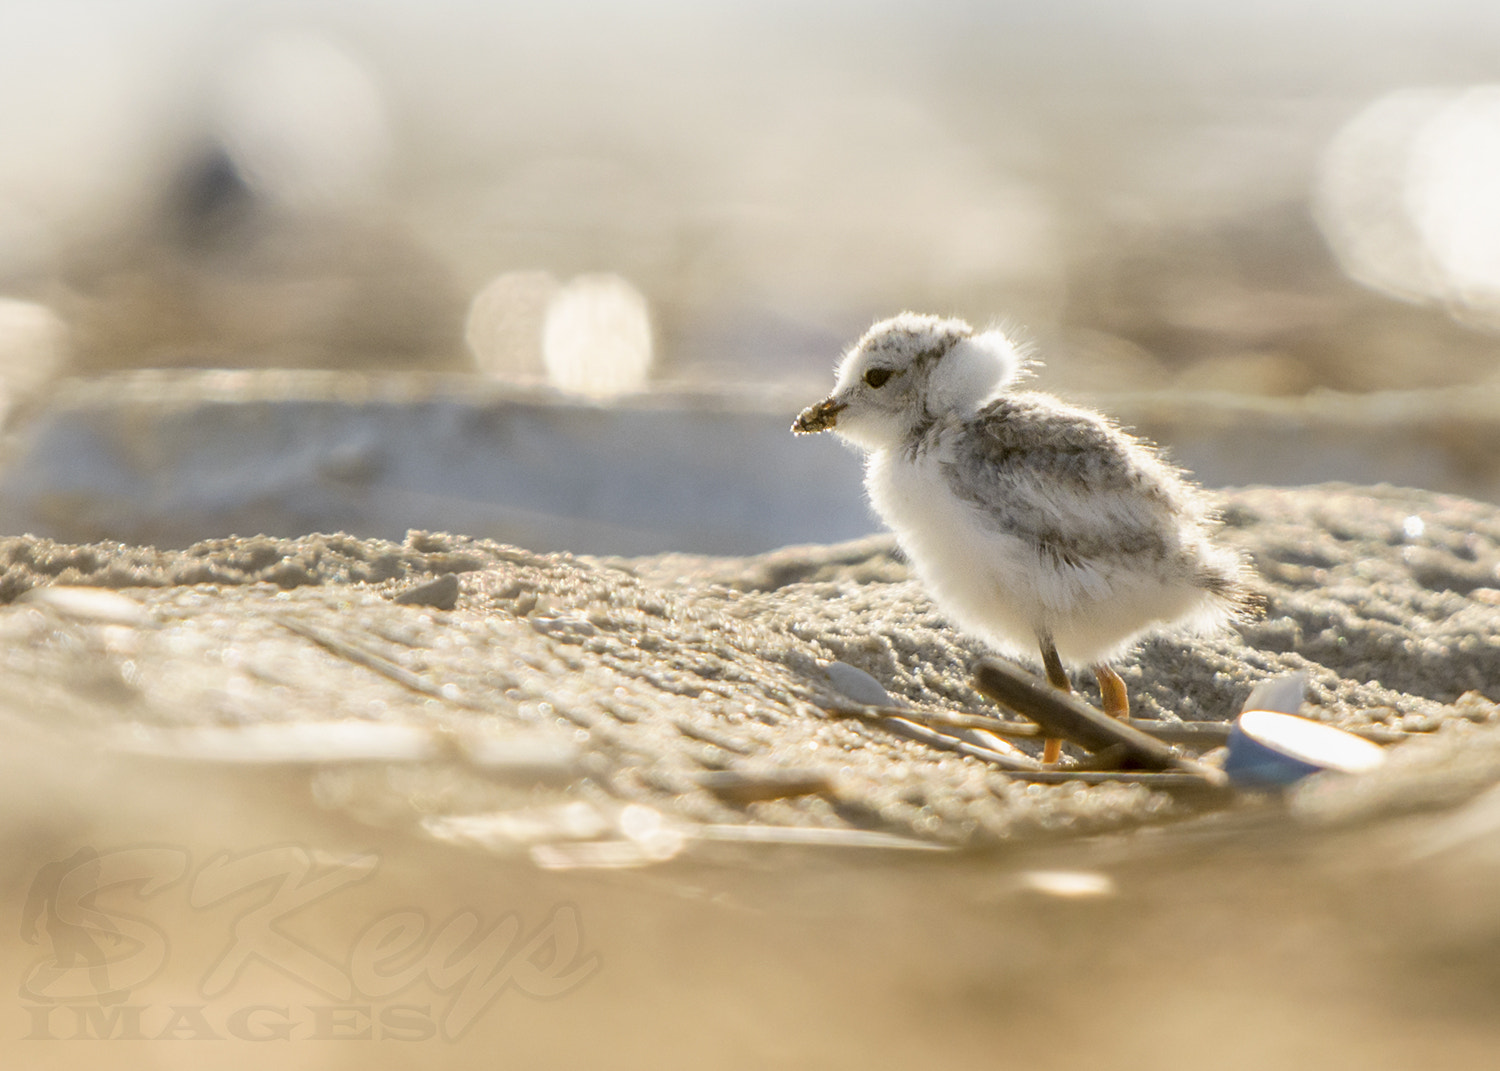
1112	693
1058	678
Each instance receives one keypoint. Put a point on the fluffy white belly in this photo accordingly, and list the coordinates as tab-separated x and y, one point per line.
977	577
999	588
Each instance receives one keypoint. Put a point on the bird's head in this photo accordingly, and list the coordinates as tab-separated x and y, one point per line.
906	371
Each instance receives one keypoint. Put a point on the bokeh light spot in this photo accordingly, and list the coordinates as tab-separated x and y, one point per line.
597	337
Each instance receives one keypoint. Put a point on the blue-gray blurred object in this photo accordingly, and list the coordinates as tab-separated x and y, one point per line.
1271	749
172	458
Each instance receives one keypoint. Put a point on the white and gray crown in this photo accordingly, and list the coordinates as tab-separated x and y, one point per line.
908	370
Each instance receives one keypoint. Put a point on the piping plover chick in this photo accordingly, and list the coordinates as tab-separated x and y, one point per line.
1032	523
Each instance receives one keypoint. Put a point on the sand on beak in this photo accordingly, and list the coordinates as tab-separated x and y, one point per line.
820	417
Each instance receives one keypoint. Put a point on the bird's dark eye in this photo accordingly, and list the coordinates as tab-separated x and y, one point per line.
876	377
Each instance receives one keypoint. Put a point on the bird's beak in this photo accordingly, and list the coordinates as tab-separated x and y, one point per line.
820	417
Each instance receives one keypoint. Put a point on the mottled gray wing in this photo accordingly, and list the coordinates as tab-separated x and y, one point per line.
1066	480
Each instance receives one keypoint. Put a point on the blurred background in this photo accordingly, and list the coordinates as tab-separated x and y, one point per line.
561	274
693	207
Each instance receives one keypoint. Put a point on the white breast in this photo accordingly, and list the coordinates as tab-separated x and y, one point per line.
978	577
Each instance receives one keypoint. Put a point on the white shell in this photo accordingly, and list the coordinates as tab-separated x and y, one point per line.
858	685
101	605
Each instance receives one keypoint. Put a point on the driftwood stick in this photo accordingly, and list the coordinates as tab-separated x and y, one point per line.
948	719
1205	734
1167	780
1063	715
910	729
